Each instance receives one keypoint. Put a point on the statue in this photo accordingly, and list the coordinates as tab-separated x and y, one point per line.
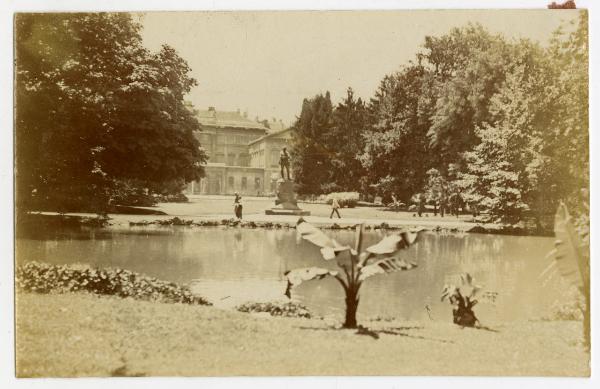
286	202
284	163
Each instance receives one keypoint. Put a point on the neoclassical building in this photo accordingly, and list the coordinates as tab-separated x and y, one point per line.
243	153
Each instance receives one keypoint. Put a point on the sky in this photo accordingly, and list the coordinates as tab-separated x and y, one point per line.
266	63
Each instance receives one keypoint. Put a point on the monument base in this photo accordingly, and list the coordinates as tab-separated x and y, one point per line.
286	203
281	211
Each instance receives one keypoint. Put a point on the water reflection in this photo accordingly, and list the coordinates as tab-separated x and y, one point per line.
232	265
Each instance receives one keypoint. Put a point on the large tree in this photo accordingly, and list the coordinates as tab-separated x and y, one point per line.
311	155
396	154
94	107
345	140
533	151
467	65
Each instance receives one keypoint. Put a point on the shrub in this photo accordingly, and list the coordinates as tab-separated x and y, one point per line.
345	199
285	309
171	198
130	194
44	278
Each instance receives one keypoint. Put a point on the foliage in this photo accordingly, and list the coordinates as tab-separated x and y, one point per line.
345	199
44	278
283	309
396	146
467	68
380	258
172	198
310	157
498	124
572	256
462	298
95	108
345	140
130	193
571	308
567	141
326	144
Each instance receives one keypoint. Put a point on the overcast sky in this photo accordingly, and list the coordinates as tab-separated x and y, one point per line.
267	62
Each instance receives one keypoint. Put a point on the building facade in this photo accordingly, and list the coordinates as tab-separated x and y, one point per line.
243	154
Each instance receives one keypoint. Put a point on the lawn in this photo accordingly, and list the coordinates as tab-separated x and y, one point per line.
84	335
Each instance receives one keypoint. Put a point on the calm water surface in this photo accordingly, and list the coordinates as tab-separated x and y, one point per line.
232	265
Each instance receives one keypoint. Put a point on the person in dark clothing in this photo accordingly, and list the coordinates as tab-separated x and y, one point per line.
422	201
237	206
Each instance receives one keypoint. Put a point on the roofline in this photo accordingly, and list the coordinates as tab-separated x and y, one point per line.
272	134
234	127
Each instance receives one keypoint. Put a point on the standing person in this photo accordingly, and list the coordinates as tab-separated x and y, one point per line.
395	203
284	162
335	208
237	206
442	205
421	204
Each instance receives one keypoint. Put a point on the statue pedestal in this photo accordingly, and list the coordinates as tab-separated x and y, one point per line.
286	203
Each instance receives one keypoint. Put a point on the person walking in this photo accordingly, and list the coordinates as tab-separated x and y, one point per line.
335	208
237	206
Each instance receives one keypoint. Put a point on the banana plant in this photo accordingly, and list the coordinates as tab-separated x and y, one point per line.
572	258
462	298
380	258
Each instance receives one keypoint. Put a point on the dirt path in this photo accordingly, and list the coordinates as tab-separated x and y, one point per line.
217	208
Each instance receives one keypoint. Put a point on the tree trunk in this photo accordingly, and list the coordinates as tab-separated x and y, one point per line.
351	308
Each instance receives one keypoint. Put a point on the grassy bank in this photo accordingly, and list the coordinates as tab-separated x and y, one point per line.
78	334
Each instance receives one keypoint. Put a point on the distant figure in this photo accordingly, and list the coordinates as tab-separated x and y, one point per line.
395	203
422	201
284	162
456	203
442	205
474	209
237	206
334	208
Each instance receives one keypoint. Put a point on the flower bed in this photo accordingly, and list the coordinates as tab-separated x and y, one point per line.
284	309
44	278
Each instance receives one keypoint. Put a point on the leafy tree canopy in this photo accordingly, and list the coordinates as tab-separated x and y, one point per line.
95	107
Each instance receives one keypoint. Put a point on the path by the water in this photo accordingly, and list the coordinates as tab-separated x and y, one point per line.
218	208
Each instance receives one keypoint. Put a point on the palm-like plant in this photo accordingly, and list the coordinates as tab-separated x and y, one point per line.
572	258
462	297
377	259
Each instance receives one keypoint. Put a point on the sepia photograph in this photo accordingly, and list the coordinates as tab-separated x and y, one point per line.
302	193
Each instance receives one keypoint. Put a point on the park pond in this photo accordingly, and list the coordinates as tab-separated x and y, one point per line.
232	265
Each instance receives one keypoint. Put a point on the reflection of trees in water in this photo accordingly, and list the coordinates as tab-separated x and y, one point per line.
506	264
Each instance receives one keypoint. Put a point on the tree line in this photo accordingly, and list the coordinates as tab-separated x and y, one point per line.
502	123
98	116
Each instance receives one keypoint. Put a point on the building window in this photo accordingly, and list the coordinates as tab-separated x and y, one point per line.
231	159
244	183
243	160
257	183
219	158
274	158
230	182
